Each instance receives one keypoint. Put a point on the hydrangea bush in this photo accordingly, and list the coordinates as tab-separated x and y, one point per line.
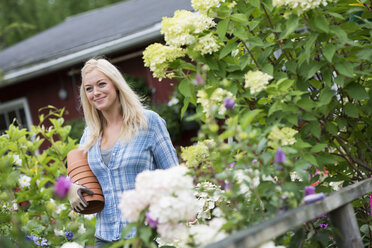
32	214
283	95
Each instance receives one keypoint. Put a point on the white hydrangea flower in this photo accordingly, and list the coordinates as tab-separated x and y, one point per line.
207	44
205	5
180	29
205	234
15	205
250	176
168	193
281	137
270	244
24	181
170	231
256	81
300	6
214	103
71	245
158	56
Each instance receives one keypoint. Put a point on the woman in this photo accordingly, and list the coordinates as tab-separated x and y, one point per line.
122	139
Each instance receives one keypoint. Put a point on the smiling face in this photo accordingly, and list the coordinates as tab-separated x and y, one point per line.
100	91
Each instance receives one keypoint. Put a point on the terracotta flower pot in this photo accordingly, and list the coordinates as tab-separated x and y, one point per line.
79	171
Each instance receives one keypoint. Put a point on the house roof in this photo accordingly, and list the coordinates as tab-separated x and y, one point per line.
82	36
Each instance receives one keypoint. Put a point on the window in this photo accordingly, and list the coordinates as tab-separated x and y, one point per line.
16	109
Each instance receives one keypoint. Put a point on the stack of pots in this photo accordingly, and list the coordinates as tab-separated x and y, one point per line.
79	171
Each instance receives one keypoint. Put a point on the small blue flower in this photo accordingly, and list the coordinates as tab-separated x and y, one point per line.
69	235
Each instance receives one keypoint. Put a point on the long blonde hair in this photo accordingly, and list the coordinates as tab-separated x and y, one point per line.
131	106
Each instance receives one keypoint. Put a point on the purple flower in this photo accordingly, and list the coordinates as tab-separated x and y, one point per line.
324	226
280	156
62	186
309	190
152	223
232	164
229	103
69	235
198	79
314	197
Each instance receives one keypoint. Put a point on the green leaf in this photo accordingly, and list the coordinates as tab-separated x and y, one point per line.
326	96
268	68
315	128
310	158
240	18
227	49
331	128
184	88
318	147
222	28
255	3
345	68
356	91
351	110
290	27
248	118
328	52
284	84
186	103
241	33
145	233
366	54
319	23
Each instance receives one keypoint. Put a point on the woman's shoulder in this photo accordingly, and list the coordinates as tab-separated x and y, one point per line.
153	119
151	115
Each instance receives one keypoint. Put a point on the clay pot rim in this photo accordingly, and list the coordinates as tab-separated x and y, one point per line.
77	172
70	169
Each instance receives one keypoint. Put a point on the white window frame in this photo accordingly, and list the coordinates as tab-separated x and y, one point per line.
16	104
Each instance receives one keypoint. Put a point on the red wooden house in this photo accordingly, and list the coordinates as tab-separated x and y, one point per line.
45	69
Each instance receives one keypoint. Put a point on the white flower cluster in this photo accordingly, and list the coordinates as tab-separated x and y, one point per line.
196	154
180	29
215	102
158	57
208	194
281	137
301	5
71	245
170	199
256	81
247	179
207	44
204	6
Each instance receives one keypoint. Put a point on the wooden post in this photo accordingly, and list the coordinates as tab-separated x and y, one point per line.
347	234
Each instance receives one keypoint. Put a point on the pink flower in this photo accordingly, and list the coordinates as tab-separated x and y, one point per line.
62	186
152	223
198	79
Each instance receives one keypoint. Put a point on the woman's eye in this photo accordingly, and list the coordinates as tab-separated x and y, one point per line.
101	84
88	89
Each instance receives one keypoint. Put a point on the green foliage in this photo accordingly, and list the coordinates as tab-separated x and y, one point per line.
320	93
27	177
22	19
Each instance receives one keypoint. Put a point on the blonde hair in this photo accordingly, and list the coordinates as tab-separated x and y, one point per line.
131	106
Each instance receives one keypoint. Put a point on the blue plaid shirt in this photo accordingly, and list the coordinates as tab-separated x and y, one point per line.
151	149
